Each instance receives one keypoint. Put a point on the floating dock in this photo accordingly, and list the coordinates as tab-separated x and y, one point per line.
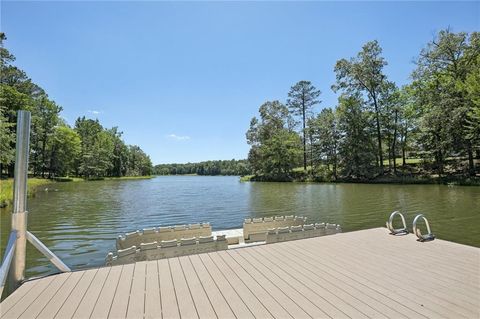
361	274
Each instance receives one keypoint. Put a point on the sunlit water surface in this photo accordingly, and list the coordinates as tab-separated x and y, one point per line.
80	221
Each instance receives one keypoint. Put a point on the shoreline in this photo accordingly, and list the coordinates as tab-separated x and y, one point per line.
6	185
399	180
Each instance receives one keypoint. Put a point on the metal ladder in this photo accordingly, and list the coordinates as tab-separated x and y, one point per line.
416	230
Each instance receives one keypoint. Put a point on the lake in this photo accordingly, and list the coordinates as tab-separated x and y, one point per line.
80	221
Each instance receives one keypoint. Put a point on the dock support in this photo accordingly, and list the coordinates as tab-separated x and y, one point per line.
19	215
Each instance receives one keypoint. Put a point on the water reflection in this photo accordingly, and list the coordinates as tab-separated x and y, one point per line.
80	221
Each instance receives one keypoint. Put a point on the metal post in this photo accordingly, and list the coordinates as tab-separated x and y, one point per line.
19	215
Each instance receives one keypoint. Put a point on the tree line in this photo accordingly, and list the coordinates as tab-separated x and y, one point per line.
88	149
226	167
377	126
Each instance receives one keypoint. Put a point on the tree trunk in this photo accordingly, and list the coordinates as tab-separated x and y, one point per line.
379	134
404	146
394	144
44	150
304	139
471	166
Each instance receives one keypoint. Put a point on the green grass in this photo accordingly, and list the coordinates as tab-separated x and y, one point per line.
6	189
407	160
246	178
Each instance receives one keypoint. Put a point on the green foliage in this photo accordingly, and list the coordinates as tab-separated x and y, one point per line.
325	137
303	96
65	150
355	145
211	168
276	148
7	138
363	74
89	150
435	119
446	90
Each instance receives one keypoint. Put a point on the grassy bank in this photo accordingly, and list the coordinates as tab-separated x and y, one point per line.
387	179
6	185
6	189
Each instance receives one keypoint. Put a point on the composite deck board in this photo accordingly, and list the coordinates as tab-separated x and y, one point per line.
153	304
136	302
186	306
37	306
362	274
121	298
105	299
28	298
251	301
287	303
421	297
230	294
203	305
168	296
446	296
217	300
55	303
88	302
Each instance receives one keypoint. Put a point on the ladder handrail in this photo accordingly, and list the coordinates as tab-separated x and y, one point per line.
397	231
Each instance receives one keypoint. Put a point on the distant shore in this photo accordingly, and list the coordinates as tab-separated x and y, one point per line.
387	179
34	184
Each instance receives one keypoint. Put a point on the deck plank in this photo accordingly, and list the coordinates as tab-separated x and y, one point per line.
62	294
186	305
122	293
251	301
153	304
70	305
202	303
167	291
137	292
219	304
391	274
12	300
326	305
87	304
287	303
28	298
37	306
105	299
273	306
351	275
311	308
230	294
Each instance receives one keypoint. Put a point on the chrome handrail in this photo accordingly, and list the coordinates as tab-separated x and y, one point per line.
7	259
397	231
429	236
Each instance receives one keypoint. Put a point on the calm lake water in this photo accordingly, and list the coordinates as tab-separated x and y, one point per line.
80	221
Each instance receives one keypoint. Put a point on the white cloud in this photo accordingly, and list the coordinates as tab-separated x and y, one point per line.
178	138
94	112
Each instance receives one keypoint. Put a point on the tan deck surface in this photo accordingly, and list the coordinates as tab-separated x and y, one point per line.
351	275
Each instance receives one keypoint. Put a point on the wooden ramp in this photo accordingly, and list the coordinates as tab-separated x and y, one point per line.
351	275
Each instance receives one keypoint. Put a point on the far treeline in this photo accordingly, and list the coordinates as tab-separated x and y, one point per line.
232	167
88	149
430	127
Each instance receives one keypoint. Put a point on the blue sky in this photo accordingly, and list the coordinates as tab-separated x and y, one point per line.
183	79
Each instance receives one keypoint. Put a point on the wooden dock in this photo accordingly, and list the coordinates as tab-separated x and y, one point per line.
360	274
